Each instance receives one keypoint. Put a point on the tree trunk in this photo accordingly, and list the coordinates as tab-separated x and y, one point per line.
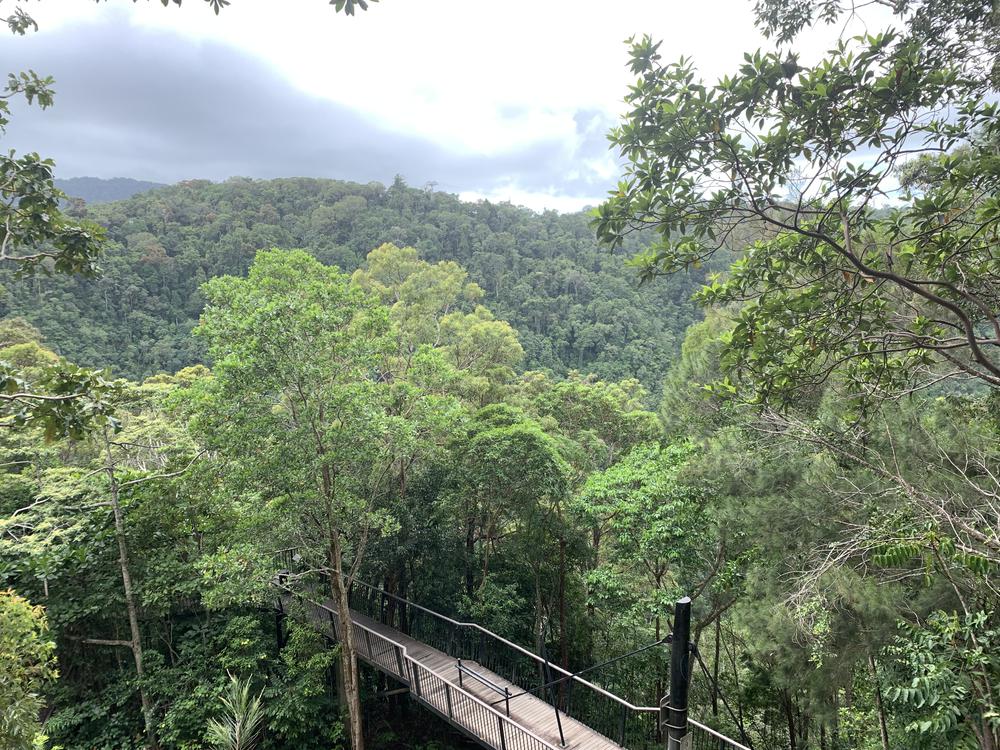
539	615
986	736
349	674
835	729
790	717
882	728
715	667
130	603
595	561
563	635
470	557
404	615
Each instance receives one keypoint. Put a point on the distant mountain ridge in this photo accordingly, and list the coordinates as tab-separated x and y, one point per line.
575	304
100	190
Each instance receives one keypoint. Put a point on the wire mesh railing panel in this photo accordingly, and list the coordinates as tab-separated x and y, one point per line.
478	719
632	726
375	649
515	738
474	717
430	688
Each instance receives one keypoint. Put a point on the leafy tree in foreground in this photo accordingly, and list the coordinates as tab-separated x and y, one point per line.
863	196
946	667
297	410
36	237
802	159
73	506
966	32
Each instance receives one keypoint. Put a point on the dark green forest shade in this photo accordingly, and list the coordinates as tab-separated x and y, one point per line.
575	304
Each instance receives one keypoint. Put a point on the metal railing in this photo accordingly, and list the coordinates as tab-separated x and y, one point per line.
635	727
429	687
631	726
484	680
706	738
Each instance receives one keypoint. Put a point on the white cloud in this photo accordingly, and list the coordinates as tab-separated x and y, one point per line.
481	76
538	201
474	78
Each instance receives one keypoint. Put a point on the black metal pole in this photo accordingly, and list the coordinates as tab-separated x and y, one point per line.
279	617
676	721
552	691
279	624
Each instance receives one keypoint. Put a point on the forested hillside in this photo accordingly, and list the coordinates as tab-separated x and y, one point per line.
575	304
391	419
99	190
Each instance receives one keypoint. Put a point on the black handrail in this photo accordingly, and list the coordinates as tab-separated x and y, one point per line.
501	689
411	675
629	725
592	667
509	644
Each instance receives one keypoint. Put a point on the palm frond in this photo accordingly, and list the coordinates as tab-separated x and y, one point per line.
239	726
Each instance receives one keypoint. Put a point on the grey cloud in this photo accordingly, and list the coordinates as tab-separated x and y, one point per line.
152	105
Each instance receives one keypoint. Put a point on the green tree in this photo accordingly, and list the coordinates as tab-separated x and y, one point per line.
961	31
830	532
35	236
652	542
27	662
69	512
802	159
511	483
859	193
947	670
688	408
434	307
430	393
296	351
604	420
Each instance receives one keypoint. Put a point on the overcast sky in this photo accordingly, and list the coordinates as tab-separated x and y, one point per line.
507	100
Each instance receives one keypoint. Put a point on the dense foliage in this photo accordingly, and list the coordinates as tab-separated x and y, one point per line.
402	403
27	661
852	362
575	306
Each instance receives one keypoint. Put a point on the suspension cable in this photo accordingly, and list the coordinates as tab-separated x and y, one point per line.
589	669
718	691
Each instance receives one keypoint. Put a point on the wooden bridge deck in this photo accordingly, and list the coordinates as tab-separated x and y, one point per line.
432	678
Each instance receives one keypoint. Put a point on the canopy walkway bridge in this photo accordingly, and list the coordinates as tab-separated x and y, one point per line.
500	694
